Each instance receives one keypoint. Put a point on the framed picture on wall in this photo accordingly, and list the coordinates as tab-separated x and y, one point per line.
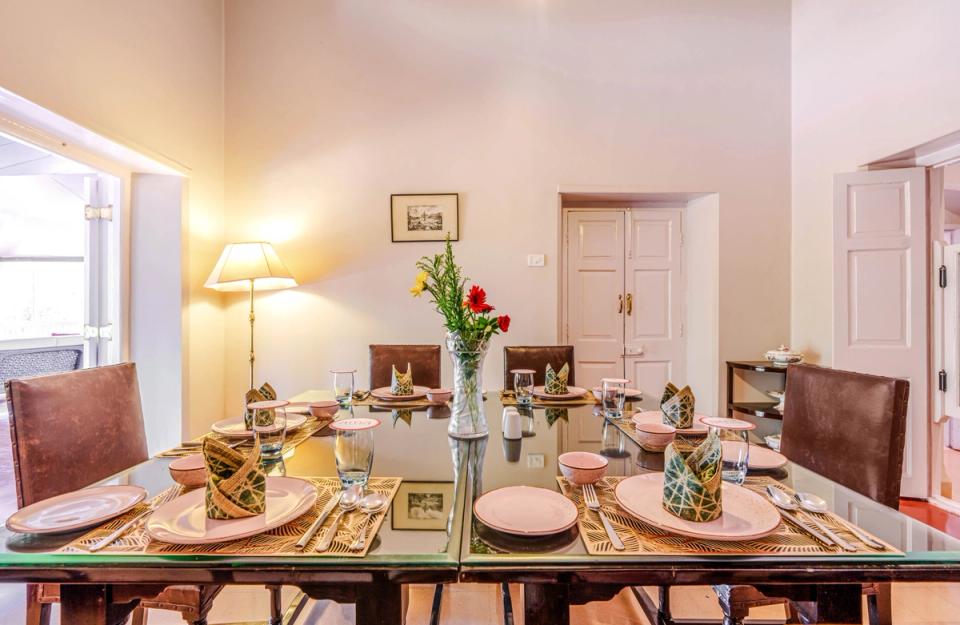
422	506
424	217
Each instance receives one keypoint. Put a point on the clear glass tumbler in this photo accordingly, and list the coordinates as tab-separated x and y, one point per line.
613	395
734	437
353	449
523	386
270	426
344	384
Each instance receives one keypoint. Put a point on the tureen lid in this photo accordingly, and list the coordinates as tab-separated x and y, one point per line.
783	352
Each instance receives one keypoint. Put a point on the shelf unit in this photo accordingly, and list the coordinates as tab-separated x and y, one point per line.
766	409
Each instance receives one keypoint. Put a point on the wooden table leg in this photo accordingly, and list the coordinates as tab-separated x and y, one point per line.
546	603
90	604
381	604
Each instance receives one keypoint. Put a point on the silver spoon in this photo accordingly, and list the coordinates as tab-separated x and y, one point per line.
348	501
813	503
785	501
369	505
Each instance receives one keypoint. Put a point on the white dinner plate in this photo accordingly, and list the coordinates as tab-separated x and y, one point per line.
183	521
80	509
655	416
526	511
573	392
746	515
760	458
235	427
419	392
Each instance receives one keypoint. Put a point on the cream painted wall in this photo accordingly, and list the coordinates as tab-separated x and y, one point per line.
147	74
869	79
333	106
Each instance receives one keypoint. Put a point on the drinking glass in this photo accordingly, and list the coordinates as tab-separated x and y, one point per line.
269	426
735	440
353	449
344	385
613	395
523	386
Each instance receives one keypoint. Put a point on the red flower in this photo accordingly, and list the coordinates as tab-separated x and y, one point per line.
504	322
477	300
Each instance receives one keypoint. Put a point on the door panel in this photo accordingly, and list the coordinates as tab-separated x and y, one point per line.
595	252
880	293
653	334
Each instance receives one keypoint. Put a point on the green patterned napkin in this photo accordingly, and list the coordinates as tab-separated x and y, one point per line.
401	383
555	382
236	484
692	479
263	417
677	406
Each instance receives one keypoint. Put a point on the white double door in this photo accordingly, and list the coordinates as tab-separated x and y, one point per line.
625	296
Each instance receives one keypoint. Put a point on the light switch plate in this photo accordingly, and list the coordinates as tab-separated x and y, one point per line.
535	260
535	461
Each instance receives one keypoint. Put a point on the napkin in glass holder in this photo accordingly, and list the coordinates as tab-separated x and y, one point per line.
693	479
677	406
236	483
401	383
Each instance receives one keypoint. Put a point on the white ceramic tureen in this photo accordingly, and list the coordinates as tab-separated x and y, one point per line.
783	355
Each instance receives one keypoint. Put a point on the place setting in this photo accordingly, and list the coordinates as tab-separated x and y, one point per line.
555	391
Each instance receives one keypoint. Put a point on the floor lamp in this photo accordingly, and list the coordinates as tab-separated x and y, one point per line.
251	266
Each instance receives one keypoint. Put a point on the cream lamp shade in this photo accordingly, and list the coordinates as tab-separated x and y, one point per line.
243	263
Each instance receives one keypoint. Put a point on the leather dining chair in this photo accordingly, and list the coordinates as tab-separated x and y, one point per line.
424	362
536	357
89	420
824	411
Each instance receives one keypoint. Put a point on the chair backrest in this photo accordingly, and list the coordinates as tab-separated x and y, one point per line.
424	362
19	363
848	427
536	357
70	430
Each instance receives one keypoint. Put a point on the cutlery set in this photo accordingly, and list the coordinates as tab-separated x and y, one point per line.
801	511
348	500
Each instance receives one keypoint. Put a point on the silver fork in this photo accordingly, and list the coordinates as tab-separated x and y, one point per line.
593	503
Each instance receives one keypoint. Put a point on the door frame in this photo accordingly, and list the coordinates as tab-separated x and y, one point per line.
933	156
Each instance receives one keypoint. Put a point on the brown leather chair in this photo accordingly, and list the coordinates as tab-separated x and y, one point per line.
536	357
850	428
424	362
91	421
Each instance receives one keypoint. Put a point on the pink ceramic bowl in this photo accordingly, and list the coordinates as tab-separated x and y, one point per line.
582	467
326	408
439	395
189	471
655	436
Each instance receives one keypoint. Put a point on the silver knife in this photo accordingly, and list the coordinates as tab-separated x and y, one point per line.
812	532
865	538
308	535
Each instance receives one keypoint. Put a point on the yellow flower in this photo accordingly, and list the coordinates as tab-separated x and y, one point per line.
419	284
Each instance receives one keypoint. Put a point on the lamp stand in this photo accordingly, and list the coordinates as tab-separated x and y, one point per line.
252	319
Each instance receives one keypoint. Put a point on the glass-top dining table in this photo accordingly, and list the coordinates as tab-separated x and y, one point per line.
431	536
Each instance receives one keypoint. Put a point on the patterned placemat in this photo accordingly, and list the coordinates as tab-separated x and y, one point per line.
291	440
507	398
642	539
280	541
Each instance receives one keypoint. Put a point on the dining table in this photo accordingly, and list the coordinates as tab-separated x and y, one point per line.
556	571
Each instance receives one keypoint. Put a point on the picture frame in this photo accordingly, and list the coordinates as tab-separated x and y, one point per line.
421	505
419	217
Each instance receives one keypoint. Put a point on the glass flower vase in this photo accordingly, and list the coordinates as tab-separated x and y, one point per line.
467	417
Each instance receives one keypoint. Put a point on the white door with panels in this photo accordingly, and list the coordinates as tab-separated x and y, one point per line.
880	293
625	298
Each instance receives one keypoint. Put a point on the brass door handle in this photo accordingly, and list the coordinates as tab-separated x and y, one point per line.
629	303
619	304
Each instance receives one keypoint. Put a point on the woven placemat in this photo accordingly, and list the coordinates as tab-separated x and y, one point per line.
280	541
639	538
507	398
291	440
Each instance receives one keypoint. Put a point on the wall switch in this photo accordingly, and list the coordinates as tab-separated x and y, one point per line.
535	461
535	260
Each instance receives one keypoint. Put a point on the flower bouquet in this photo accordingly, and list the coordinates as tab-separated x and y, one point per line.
470	322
